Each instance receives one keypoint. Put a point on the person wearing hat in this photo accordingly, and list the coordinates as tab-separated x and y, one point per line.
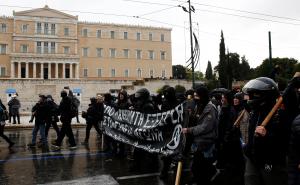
205	135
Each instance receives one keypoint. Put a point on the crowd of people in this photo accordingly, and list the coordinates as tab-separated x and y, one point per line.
224	133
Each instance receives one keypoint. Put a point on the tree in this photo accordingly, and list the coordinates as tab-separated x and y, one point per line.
222	66
179	72
208	72
180	89
245	70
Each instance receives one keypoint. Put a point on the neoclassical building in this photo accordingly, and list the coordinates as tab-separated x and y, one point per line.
48	44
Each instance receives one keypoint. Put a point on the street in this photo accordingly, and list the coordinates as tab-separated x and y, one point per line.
85	165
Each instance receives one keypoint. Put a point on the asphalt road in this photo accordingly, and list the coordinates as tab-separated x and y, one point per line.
85	165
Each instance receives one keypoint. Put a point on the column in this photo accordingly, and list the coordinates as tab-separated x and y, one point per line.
27	70
42	71
56	70
12	70
71	70
64	71
19	69
77	71
49	70
34	70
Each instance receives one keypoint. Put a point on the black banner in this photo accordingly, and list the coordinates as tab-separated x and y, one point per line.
155	133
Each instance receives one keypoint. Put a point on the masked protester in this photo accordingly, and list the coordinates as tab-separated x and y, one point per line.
205	134
52	116
169	101
230	158
266	149
143	104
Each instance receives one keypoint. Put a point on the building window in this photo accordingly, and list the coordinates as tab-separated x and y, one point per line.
85	52
162	55
52	47
39	28
138	36
52	29
98	33
3	28
138	54
126	53
151	54
163	74
85	72
39	47
3	48
99	72
2	71
46	47
162	37
112	34
99	52
24	48
139	73
113	73
112	52
125	35
46	28
150	36
24	28
85	32
66	32
126	73
151	73
66	49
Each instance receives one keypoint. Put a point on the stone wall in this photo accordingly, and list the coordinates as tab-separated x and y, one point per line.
29	90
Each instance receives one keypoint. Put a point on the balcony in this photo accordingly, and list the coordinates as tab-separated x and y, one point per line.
44	55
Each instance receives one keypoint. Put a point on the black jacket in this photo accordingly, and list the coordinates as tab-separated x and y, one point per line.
272	148
94	113
64	109
294	152
40	112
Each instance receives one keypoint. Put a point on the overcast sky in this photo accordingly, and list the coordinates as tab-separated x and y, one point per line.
243	35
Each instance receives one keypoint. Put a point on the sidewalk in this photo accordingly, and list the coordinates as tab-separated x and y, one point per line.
25	123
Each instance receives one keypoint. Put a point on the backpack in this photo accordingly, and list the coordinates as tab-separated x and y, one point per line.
74	106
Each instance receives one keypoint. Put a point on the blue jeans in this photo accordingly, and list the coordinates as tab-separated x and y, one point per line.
39	125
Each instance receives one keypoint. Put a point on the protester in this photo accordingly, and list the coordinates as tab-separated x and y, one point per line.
294	154
14	106
52	116
3	118
142	104
122	103
94	115
39	111
230	158
267	146
205	134
66	118
169	102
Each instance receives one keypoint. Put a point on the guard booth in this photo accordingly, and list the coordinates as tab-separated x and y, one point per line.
78	94
9	93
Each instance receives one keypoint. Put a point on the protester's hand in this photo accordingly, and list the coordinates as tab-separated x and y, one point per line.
260	130
30	121
185	130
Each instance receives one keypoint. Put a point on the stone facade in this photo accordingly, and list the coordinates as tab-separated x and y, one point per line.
28	90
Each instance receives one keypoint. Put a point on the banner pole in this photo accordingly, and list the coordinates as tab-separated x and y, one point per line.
178	174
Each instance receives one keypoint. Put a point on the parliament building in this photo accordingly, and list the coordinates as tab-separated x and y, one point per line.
45	43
